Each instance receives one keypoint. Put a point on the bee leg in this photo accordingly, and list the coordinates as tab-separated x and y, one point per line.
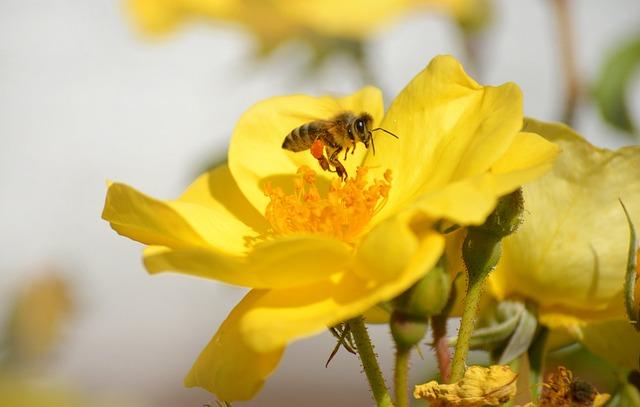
333	159
322	160
342	172
345	153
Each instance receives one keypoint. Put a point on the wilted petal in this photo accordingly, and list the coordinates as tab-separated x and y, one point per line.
480	386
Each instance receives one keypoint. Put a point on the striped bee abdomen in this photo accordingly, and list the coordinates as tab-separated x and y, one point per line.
301	138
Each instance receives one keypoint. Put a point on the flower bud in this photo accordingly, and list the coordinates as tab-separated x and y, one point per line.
506	217
427	297
406	331
480	252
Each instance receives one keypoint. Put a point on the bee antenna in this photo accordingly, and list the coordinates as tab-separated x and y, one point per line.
373	146
386	131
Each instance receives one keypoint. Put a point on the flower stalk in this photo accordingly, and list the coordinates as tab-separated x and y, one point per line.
567	52
401	376
441	345
370	362
537	354
467	323
481	251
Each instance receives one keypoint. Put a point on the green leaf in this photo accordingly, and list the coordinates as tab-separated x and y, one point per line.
631	277
495	326
521	339
537	355
626	396
487	337
610	89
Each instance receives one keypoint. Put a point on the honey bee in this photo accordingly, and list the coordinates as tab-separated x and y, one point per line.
326	139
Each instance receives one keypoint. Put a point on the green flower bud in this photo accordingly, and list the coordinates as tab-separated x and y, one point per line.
427	297
406	331
481	249
506	217
480	252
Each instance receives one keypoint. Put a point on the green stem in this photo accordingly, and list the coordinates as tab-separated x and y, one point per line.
569	65
400	377
472	43
440	343
369	362
466	328
537	354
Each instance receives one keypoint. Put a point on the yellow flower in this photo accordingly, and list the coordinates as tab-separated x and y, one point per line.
317	251
271	18
480	386
36	320
569	257
262	17
276	20
470	14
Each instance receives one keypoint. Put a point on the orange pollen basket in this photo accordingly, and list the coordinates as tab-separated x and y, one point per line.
344	213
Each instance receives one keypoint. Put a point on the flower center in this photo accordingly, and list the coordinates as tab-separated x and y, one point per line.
343	213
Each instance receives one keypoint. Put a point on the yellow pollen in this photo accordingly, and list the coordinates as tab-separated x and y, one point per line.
344	213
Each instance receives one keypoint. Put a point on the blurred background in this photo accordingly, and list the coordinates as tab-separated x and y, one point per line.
87	95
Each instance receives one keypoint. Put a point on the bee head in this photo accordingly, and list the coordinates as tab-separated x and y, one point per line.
362	128
364	133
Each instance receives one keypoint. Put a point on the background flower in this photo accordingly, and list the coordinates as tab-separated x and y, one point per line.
569	256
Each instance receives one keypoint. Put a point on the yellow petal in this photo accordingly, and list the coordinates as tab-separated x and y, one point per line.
377	315
467	202
155	16
529	157
176	224
281	316
161	16
615	341
145	219
480	386
36	318
228	367
20	390
346	19
217	189
569	255
385	250
450	128
256	155
285	262
200	262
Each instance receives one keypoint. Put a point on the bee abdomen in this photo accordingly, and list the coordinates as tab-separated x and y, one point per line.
300	139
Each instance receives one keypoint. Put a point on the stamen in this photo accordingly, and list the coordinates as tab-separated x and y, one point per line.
344	213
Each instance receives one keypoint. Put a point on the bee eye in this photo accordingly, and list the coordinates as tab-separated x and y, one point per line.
360	126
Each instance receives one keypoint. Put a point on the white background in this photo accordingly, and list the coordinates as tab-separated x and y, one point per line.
84	99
